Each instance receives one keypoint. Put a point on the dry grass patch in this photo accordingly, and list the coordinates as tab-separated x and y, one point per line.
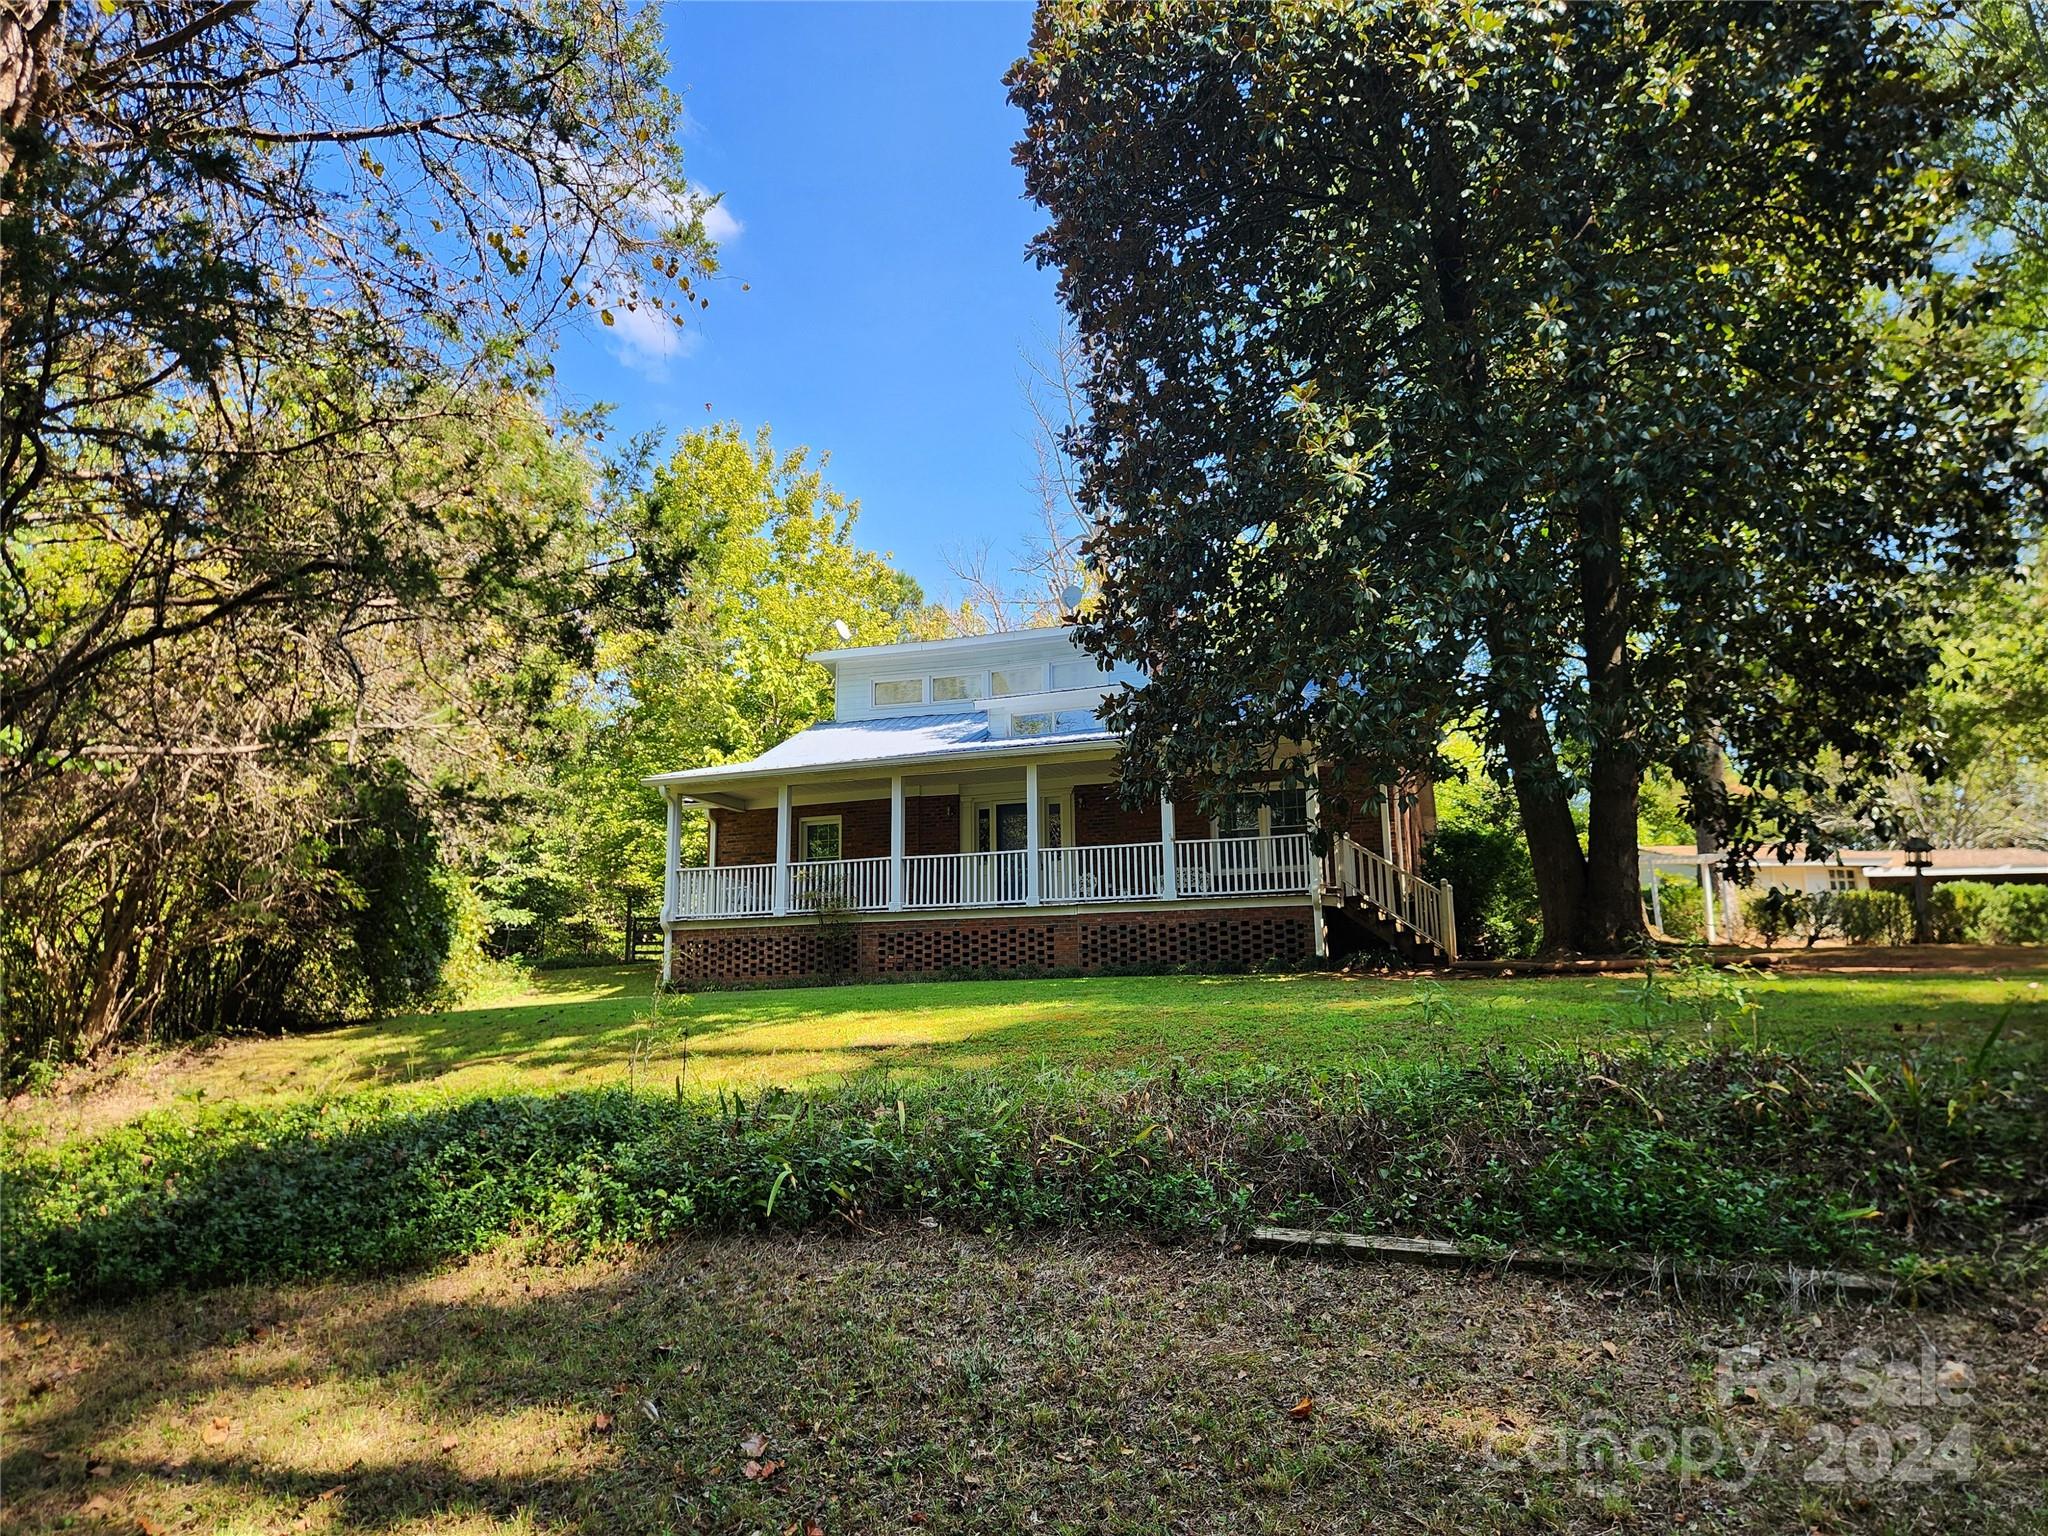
920	1380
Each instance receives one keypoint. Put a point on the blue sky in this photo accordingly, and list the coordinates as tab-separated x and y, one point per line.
863	151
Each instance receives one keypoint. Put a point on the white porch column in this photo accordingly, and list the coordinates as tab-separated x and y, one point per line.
896	842
1032	811
671	883
1169	873
1387	824
782	851
672	877
1314	870
710	840
1707	899
1657	897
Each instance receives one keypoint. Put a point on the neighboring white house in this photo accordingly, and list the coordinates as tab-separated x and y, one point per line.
1806	873
960	812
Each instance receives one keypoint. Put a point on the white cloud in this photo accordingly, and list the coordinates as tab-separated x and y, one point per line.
666	208
647	339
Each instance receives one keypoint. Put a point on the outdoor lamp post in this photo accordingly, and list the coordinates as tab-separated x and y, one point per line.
1917	860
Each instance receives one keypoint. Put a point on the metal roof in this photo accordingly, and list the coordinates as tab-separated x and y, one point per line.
897	739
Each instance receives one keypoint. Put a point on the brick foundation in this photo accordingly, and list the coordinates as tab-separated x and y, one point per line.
1222	938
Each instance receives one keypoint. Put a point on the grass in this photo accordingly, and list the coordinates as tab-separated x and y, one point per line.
592	1028
918	1380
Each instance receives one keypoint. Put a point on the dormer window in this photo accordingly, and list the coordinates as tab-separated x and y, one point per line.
899	690
1075	674
957	688
1005	681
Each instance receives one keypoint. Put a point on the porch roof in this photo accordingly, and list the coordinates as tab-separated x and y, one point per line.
898	740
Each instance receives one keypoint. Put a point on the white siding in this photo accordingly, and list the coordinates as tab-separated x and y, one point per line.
1043	654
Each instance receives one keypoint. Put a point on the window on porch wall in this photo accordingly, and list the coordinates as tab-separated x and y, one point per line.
1287	811
818	839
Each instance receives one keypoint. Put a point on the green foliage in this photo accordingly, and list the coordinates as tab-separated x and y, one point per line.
1767	915
1453	362
2015	914
1493	885
1955	910
720	677
400	920
1978	912
1875	917
1478	846
1729	1152
1684	907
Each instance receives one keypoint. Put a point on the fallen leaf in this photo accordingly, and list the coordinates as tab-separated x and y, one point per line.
602	1424
1302	1409
1607	1348
98	1504
812	1528
448	1445
217	1431
98	1469
148	1527
760	1471
755	1445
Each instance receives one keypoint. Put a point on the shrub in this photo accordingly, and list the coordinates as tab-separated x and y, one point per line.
2016	914
1768	915
1875	917
1683	906
1815	915
1493	886
1955	910
1732	1152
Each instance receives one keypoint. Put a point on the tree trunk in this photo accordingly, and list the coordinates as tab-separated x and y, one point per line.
1547	825
1614	897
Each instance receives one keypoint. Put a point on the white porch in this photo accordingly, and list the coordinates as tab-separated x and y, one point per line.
1167	870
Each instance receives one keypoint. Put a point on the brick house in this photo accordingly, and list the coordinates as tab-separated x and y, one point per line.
960	811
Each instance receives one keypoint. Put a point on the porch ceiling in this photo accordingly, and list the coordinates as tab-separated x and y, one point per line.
947	778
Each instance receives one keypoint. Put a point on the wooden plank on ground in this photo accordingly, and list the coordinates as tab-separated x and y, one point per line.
1794	1279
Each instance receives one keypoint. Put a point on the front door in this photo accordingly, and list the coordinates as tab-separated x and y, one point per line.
1011	829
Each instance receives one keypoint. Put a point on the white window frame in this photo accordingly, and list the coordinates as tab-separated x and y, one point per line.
875	692
971	807
1013	693
1841	877
803	842
978	681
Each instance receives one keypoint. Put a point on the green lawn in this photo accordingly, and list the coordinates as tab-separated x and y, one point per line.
580	1029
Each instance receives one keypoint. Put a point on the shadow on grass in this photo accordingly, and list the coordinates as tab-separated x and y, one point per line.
964	1383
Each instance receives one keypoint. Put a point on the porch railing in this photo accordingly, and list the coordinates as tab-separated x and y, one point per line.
964	880
1244	866
1221	867
1423	907
858	885
1102	872
730	890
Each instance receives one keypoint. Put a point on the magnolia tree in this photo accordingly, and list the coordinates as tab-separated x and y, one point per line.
1588	371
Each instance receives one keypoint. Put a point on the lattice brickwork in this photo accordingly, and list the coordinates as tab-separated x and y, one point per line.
747	954
1212	939
972	946
1223	940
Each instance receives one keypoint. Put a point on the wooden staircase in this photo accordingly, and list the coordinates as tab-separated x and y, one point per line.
1415	917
